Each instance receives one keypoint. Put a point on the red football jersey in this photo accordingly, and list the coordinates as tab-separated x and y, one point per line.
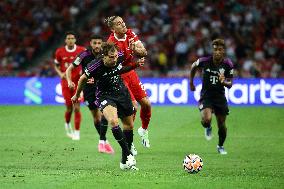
64	57
123	45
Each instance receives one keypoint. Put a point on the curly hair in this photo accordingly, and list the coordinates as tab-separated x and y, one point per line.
109	21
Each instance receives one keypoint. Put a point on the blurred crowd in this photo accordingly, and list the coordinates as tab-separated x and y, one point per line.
175	33
29	27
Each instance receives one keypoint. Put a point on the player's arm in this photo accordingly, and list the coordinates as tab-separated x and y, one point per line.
57	59
58	71
138	48
227	82
226	78
193	70
81	83
68	72
139	63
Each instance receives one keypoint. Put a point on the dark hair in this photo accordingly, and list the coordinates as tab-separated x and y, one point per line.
218	42
70	33
109	21
95	36
108	47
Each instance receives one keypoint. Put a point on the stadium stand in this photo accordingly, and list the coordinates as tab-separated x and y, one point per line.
175	33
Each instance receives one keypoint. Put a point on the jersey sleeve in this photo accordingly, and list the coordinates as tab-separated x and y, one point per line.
92	68
80	58
198	63
230	69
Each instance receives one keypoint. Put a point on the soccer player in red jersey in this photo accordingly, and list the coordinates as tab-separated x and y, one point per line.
129	43
64	56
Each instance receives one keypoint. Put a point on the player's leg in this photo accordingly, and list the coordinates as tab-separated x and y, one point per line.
125	112
141	97
69	109
127	80
222	132
77	121
128	132
110	112
101	125
206	117
205	108
221	111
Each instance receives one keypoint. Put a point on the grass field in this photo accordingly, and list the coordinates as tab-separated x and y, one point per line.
35	153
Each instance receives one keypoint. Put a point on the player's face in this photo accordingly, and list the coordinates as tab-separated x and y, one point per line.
119	26
218	53
96	45
111	59
70	40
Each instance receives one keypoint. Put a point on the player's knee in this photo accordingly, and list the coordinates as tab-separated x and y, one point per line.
76	109
69	109
128	126
206	122
145	103
113	121
97	118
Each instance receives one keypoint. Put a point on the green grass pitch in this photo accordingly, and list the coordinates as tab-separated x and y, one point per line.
35	152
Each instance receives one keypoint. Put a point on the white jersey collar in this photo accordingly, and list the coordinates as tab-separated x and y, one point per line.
72	50
119	39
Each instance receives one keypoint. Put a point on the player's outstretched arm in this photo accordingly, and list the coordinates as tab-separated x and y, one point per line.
81	83
192	74
140	62
68	72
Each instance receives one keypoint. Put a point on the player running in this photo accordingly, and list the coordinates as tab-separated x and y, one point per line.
113	98
217	74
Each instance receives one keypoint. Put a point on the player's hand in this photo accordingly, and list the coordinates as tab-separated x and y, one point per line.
192	86
71	85
140	62
222	78
132	44
91	80
74	99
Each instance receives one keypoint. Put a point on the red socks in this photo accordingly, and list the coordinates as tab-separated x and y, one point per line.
77	120
68	117
145	115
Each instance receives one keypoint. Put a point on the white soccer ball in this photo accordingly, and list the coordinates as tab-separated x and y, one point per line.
192	163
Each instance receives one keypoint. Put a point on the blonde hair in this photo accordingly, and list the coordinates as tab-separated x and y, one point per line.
109	21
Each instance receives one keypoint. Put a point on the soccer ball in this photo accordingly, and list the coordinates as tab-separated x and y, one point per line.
192	163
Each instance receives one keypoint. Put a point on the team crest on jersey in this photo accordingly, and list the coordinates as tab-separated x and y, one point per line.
222	71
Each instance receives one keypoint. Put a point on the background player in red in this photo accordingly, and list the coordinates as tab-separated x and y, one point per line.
64	56
129	43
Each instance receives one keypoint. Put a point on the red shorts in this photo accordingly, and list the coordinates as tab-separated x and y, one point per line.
67	92
134	85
